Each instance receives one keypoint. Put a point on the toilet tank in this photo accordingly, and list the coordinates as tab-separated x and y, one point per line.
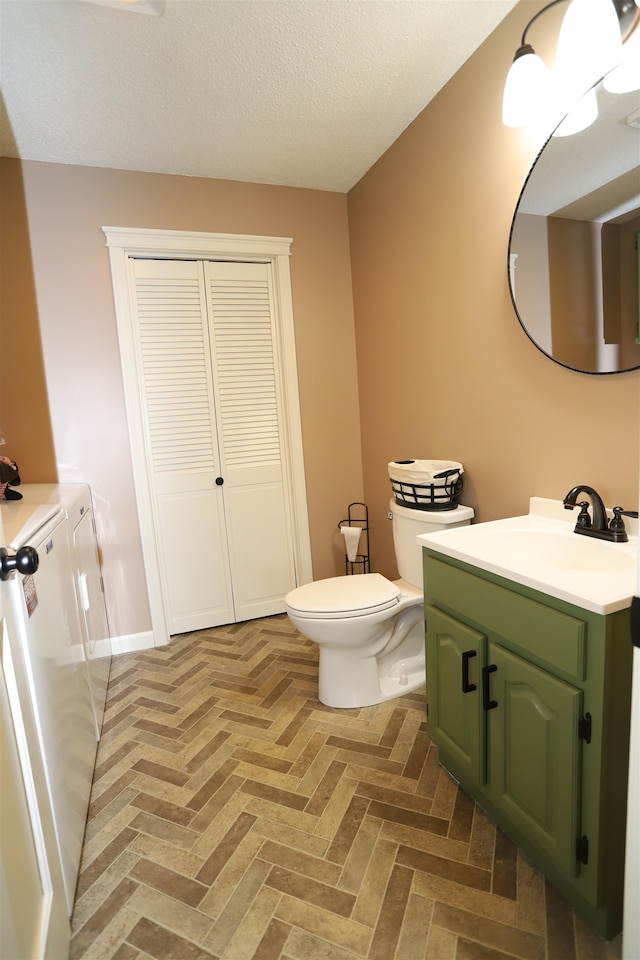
409	524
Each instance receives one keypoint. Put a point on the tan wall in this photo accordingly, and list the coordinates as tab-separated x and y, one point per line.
629	286
444	368
24	414
575	299
57	311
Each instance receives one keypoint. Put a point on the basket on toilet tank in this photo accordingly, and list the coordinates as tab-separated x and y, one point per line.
426	484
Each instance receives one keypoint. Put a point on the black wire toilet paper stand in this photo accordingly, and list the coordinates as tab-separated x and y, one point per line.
358	516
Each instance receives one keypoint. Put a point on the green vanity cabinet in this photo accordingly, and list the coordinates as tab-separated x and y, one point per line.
529	704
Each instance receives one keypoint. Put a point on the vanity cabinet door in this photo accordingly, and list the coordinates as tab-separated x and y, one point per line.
455	656
534	754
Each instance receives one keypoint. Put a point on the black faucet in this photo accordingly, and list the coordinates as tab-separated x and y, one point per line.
600	527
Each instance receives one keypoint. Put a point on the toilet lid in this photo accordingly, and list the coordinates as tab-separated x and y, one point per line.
337	597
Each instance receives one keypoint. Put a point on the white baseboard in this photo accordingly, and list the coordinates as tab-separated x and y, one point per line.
132	642
101	650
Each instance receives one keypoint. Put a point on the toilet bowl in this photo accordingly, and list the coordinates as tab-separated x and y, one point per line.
370	630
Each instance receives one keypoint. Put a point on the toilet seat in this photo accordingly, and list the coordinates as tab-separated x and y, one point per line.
340	597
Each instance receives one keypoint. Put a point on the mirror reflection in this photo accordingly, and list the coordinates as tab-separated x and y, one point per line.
573	248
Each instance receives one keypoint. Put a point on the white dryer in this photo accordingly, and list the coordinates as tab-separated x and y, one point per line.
75	500
48	652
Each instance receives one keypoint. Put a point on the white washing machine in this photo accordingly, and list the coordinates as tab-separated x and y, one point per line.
75	500
47	646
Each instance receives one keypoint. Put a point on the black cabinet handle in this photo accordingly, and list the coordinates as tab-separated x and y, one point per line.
466	686
487	702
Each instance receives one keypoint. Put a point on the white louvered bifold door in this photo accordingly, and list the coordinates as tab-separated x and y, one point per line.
172	343
248	393
212	410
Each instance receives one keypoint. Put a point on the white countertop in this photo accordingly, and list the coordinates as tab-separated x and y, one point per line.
540	550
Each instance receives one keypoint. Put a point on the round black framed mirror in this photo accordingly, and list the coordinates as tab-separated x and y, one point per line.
573	246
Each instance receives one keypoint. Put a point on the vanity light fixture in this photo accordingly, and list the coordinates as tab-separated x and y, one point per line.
590	47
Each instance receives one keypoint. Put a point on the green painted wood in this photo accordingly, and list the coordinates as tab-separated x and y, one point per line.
455	718
555	638
534	759
596	659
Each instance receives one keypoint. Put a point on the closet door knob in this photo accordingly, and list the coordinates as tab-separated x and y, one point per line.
219	481
25	561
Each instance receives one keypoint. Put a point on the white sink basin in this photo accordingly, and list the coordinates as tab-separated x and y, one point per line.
565	550
541	550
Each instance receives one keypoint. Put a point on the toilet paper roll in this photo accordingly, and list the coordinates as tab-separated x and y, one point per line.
352	538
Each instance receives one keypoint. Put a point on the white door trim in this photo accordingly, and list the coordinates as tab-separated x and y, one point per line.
126	242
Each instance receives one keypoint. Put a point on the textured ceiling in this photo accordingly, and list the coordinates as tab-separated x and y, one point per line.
305	93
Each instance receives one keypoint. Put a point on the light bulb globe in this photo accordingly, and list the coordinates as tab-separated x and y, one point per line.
589	46
626	76
526	89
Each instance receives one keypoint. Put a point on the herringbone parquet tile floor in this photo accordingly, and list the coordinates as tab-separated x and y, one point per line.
235	817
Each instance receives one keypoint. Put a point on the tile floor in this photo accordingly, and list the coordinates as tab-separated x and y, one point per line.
235	817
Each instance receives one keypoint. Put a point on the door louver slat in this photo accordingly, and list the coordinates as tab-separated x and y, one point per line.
174	355
245	372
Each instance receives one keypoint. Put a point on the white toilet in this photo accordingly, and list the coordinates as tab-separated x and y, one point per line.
370	630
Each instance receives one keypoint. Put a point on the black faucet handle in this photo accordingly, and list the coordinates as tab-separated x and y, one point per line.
616	529
584	518
616	522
